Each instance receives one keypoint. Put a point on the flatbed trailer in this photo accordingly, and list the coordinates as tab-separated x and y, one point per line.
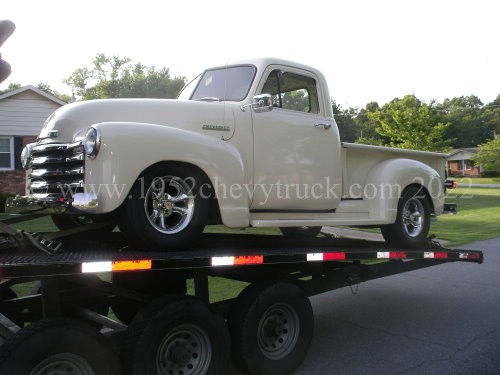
62	325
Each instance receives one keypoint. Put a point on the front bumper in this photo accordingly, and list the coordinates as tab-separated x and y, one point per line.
79	203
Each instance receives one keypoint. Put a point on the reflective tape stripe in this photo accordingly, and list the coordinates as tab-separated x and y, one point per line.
237	260
117	265
318	257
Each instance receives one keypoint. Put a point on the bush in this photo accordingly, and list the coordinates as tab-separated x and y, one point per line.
490	174
3	198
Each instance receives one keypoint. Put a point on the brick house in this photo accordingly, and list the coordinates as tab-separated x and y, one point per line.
22	114
461	163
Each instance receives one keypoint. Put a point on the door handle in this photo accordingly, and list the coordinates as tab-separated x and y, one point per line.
324	126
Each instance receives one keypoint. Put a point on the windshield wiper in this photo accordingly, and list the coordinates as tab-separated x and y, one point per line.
208	99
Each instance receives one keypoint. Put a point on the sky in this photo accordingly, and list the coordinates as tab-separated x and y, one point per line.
368	50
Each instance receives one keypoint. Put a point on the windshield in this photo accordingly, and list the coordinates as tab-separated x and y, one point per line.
230	84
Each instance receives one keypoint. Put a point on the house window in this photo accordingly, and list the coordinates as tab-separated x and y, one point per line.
468	165
6	153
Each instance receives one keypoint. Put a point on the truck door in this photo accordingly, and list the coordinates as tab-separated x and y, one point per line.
296	146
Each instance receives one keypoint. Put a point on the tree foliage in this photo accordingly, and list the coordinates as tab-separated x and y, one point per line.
489	155
118	77
410	123
468	124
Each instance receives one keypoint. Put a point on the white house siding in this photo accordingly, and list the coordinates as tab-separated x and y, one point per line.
24	114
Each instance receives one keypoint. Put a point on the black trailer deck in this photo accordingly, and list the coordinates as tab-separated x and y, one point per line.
81	255
270	322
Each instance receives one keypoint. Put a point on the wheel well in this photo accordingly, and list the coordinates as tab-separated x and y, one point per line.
214	216
424	191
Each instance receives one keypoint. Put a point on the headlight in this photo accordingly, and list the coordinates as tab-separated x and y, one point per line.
92	142
25	156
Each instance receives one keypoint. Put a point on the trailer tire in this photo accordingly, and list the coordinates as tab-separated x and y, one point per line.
300	232
176	335
164	210
58	346
413	220
271	328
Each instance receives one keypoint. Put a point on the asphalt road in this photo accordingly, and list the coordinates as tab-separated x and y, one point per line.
441	320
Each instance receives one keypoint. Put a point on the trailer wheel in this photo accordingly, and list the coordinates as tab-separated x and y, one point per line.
58	346
176	335
271	328
300	232
165	209
412	221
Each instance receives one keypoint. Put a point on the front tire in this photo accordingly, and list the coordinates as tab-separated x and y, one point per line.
412	221
164	210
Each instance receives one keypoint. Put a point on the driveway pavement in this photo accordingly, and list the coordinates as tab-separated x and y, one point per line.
440	320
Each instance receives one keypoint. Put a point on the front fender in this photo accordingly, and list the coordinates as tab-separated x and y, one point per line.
127	149
387	180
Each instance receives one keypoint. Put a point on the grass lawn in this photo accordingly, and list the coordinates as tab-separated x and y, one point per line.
478	216
478	180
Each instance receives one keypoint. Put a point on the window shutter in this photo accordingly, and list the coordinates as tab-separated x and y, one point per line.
18	147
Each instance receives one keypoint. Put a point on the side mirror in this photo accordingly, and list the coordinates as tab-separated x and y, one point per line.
260	103
7	27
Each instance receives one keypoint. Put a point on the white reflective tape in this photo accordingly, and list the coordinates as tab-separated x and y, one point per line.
314	257
223	261
90	267
383	255
429	254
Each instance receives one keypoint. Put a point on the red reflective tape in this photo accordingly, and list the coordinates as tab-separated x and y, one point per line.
248	259
334	256
397	255
440	255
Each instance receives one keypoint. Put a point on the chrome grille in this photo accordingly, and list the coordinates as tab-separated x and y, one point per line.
56	170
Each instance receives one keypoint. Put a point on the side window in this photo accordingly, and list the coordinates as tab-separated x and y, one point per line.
292	91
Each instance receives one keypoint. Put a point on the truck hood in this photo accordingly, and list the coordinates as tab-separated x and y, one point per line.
72	121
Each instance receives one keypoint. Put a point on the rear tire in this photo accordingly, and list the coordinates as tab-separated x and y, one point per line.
176	335
413	220
165	210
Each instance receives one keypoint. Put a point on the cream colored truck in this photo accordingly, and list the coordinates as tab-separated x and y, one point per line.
248	144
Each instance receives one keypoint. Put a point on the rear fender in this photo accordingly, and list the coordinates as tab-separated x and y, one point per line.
388	179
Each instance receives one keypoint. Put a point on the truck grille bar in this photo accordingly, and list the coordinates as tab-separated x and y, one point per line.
56	170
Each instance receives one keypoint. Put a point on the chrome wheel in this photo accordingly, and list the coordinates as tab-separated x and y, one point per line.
169	204
413	217
63	364
184	350
278	331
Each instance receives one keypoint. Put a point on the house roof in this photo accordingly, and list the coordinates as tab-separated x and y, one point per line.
35	90
462	153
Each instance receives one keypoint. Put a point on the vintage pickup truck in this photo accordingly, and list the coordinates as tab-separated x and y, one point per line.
248	144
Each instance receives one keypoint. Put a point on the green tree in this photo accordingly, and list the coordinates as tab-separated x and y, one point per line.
366	126
118	77
489	155
345	121
468	124
410	123
11	87
46	88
